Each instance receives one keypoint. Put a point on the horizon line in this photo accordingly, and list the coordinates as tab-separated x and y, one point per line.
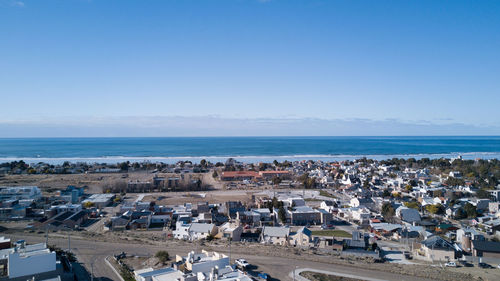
250	136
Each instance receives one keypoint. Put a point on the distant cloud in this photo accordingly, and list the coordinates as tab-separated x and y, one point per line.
158	126
17	4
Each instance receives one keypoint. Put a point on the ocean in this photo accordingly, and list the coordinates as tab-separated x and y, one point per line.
245	149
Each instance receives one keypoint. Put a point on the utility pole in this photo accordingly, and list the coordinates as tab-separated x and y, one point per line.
47	235
92	271
69	243
230	238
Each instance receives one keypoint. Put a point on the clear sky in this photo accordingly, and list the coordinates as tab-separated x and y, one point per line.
80	63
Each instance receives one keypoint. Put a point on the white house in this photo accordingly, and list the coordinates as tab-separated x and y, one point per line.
328	206
203	262
148	274
199	231
181	230
303	237
230	230
20	192
408	215
25	260
275	235
360	214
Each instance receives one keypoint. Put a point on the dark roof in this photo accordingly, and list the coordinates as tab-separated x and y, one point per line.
250	235
427	223
55	223
329	202
77	216
63	216
436	242
486	246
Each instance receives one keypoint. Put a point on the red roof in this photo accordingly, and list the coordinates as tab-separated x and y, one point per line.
274	172
240	174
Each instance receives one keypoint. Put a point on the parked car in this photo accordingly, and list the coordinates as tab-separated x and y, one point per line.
466	264
450	264
408	255
263	276
498	266
484	265
242	263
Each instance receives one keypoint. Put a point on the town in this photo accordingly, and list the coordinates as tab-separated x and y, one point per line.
420	219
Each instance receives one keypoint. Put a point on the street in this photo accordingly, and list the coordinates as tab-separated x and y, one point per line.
92	254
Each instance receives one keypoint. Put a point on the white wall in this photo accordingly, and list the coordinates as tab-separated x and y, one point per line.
21	266
208	265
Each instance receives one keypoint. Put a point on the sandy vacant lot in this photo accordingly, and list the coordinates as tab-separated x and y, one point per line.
95	182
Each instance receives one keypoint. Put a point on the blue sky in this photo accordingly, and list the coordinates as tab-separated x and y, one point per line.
74	67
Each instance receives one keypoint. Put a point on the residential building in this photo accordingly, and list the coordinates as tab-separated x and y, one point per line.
100	200
277	235
408	215
28	260
203	262
436	248
488	249
231	231
303	237
20	192
304	215
199	231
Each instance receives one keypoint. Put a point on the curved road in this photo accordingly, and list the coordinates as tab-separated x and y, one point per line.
94	252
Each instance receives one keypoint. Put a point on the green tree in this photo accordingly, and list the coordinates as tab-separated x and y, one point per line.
461	214
162	256
388	211
470	210
435	209
203	163
437	193
366	184
386	193
124	166
451	181
282	214
413	205
88	205
214	174
276	180
483	194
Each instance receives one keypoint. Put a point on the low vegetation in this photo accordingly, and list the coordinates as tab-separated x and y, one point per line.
315	276
326	194
162	256
126	273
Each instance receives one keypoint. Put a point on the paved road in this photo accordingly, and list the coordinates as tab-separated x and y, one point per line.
298	277
93	252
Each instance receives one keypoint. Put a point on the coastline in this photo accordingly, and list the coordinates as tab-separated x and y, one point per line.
249	158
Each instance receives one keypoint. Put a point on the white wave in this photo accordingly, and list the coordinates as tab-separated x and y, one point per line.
250	158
